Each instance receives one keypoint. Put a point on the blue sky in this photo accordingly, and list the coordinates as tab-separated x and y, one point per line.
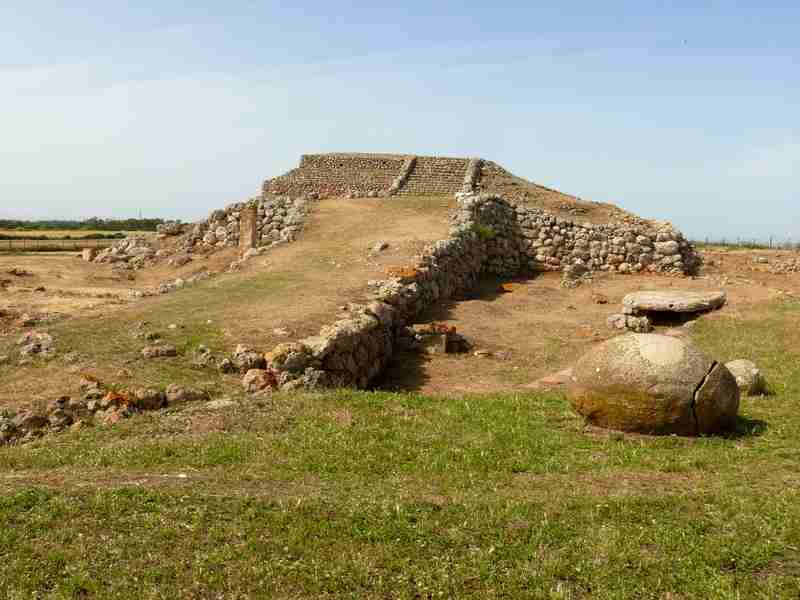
679	110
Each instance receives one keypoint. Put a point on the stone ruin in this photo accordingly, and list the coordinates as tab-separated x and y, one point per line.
488	235
278	214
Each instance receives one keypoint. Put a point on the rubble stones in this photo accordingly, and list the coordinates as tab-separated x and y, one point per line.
30	421
791	265
170	228
91	388
179	260
226	366
179	394
149	399
36	344
258	380
95	405
245	359
574	275
623	322
159	351
134	252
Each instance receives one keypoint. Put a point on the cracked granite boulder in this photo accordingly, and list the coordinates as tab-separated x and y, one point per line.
655	384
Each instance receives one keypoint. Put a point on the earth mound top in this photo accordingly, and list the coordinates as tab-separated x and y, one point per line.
354	174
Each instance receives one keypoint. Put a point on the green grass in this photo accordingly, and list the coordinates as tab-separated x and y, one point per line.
380	495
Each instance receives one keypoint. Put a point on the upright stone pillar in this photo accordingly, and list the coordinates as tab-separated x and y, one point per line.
248	229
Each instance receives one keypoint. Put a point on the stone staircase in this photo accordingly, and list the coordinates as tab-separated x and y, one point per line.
435	176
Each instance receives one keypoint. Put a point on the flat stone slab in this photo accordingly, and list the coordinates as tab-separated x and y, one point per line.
672	301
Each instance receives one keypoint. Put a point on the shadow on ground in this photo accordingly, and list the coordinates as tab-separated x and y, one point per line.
407	370
747	427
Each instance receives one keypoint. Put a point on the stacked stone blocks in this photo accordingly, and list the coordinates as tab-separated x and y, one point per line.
373	175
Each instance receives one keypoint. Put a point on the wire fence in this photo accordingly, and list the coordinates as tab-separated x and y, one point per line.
53	245
750	243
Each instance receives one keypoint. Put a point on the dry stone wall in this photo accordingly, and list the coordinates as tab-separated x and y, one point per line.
352	351
526	238
277	219
339	174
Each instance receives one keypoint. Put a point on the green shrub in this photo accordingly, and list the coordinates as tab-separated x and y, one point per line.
485	232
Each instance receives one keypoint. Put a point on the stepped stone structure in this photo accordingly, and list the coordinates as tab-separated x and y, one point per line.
376	175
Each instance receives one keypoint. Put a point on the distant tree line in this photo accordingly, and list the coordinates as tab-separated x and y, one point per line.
87	224
26	235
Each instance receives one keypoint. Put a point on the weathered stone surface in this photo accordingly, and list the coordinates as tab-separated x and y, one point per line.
672	301
258	380
654	384
622	322
170	228
159	351
748	377
248	228
177	394
37	344
30	421
220	404
89	254
245	359
149	399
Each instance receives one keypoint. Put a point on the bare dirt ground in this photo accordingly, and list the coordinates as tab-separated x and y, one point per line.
541	328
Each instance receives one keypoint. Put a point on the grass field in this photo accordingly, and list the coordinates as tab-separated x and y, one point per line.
380	495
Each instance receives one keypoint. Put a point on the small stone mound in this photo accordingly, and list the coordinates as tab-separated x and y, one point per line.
786	267
748	377
36	344
654	384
